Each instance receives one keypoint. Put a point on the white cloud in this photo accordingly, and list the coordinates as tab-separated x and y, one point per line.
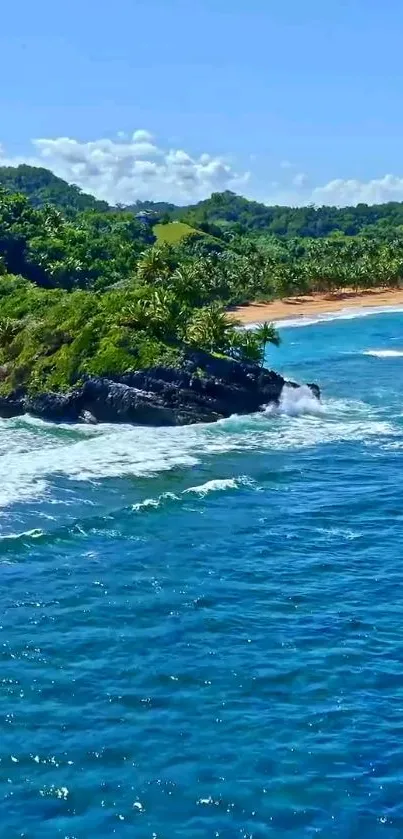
136	166
125	169
352	191
296	191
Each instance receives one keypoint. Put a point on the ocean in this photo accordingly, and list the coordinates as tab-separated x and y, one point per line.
201	628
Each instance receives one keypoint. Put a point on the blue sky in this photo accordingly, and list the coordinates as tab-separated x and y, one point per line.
291	101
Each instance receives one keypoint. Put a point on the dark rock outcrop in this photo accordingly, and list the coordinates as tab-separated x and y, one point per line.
203	389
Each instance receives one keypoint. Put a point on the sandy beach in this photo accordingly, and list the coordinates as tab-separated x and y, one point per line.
316	304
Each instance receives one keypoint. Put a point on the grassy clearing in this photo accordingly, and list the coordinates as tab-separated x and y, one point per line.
173	232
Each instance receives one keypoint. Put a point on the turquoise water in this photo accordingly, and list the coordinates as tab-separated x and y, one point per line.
201	628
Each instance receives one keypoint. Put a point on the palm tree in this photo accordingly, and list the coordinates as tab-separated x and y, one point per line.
211	329
152	266
135	314
246	347
267	334
185	284
157	311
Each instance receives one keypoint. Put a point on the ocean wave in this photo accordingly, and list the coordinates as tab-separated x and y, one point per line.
35	533
89	524
384	353
323	317
34	455
220	485
201	490
155	503
340	533
35	451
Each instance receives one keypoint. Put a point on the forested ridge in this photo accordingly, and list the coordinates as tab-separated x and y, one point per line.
225	209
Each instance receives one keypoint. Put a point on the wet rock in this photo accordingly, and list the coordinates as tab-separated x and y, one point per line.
202	389
315	390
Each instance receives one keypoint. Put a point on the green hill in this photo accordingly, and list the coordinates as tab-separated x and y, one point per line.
43	187
226	210
223	211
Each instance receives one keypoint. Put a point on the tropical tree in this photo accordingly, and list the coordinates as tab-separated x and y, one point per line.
267	334
153	266
211	329
157	311
246	347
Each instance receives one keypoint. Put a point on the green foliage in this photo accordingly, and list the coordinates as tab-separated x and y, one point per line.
246	346
266	334
92	251
227	211
91	292
55	337
223	211
42	187
211	329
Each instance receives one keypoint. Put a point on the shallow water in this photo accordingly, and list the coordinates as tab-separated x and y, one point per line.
201	627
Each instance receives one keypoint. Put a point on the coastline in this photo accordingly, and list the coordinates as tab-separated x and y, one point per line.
203	389
317	304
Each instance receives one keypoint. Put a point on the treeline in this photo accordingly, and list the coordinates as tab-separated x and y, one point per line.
222	212
226	210
98	251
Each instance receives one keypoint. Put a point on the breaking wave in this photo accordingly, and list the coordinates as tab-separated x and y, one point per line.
35	454
215	485
384	353
342	314
348	313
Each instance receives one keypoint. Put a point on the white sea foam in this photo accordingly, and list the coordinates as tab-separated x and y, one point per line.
340	533
155	503
36	533
219	484
32	451
32	454
215	485
384	353
323	317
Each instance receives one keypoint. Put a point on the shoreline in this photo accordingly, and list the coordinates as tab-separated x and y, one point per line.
318	303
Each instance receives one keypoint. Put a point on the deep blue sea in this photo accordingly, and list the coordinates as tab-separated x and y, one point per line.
201	629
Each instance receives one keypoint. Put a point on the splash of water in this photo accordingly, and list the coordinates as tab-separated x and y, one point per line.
299	401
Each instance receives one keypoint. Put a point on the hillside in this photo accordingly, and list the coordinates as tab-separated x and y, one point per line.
224	211
227	210
43	187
